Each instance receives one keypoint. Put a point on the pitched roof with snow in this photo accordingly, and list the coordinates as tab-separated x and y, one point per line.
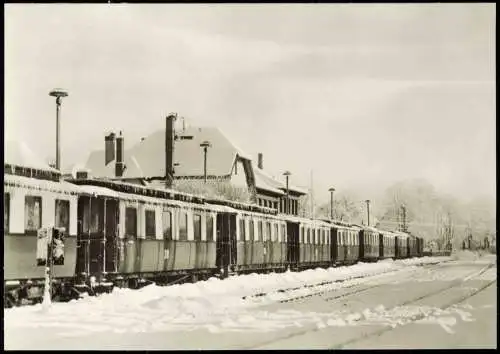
17	153
147	158
265	181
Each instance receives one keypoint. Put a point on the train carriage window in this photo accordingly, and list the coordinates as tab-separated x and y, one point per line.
197	227
301	234
283	234
150	224
308	241
183	232
260	231
313	238
96	215
268	231
251	230
6	212
62	214
210	227
32	214
276	236
131	222
167	225
242	230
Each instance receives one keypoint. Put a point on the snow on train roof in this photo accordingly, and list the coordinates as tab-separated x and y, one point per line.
303	220
107	192
40	184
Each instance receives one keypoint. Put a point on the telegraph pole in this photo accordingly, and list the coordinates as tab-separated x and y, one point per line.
368	210
403	207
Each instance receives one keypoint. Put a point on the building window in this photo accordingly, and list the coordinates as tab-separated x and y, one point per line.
131	222
150	224
183	226
210	227
62	215
197	227
32	214
242	230
251	231
167	225
6	212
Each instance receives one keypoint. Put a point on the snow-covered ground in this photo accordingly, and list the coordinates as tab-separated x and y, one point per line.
211	304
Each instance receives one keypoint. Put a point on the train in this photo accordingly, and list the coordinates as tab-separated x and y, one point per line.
121	234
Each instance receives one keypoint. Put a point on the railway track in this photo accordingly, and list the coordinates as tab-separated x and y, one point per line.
421	316
405	303
337	281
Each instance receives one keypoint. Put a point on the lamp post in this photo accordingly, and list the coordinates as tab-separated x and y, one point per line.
287	174
368	210
58	94
205	145
331	190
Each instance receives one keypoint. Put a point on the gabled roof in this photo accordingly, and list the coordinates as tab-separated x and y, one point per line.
265	181
17	153
147	157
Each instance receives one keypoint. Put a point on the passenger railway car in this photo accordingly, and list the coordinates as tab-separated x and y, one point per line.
310	242
261	242
123	234
31	203
345	241
369	247
387	245
401	245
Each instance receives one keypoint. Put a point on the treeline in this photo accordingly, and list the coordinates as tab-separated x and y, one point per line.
428	213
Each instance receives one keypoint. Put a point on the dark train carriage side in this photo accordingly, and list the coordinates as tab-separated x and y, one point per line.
345	243
261	240
127	237
369	244
308	242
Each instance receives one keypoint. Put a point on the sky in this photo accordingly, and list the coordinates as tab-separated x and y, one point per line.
362	95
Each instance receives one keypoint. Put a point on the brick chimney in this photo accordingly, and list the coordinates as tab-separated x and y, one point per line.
260	161
120	165
169	149
109	148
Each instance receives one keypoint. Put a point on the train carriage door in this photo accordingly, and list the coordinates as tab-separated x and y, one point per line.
82	263
232	234
168	254
111	240
293	249
333	245
226	240
363	238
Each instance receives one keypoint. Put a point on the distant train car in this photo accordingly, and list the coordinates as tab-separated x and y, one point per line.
309	242
401	245
387	245
345	243
369	246
262	242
